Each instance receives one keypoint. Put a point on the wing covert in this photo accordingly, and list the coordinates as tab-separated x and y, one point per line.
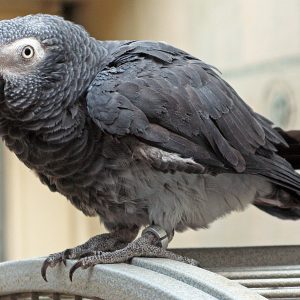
165	97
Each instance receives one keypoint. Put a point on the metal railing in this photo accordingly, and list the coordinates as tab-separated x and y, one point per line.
273	272
144	278
247	273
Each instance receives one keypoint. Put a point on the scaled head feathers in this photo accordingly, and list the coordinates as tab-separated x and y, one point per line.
42	58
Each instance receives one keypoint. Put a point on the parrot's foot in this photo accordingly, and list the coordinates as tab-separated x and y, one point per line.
148	245
103	242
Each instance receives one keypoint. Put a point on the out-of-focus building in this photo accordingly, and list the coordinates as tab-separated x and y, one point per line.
255	44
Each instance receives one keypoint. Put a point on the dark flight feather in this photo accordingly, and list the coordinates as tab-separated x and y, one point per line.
166	97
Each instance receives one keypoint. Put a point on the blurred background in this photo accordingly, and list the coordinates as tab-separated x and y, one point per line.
256	46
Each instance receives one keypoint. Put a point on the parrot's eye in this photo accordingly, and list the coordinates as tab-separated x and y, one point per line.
27	52
21	56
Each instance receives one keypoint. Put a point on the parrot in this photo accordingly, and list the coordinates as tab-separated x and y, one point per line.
141	134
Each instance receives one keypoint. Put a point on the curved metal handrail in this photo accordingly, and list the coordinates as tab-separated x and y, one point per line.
144	278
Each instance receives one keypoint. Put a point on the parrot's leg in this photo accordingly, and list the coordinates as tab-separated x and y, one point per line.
150	244
113	241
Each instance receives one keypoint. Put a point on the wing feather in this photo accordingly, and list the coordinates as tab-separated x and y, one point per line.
167	98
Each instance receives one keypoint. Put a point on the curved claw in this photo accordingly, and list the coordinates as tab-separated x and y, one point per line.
51	261
74	268
44	268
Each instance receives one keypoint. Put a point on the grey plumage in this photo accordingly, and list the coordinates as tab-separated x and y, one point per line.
137	132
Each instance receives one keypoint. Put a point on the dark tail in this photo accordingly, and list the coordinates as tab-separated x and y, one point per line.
285	204
291	154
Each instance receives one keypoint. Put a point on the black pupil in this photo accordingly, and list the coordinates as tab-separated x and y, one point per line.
27	51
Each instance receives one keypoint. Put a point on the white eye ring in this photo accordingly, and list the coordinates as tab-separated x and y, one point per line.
27	52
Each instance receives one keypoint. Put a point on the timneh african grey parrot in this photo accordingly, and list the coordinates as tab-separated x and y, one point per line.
138	133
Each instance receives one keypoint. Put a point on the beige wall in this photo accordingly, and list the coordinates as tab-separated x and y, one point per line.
257	45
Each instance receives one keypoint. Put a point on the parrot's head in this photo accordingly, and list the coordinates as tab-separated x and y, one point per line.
45	64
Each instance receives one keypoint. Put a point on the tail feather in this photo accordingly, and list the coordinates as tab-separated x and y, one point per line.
277	169
279	212
292	153
284	203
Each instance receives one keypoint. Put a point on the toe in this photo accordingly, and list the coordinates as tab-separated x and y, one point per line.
76	266
65	255
51	261
85	263
193	262
91	253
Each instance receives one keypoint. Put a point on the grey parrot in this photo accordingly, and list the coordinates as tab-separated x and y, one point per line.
139	133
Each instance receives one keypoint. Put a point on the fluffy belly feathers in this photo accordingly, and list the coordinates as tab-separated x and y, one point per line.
180	200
